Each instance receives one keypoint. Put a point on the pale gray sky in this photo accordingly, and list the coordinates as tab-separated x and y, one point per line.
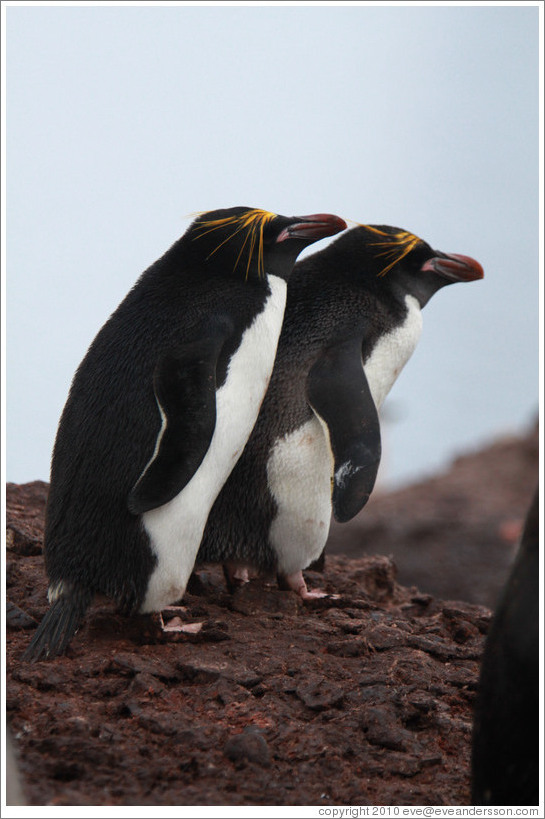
122	121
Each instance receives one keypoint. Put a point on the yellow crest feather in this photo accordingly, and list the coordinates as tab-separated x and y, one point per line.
253	222
397	246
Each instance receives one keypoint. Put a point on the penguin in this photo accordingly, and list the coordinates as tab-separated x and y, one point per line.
158	412
505	748
353	319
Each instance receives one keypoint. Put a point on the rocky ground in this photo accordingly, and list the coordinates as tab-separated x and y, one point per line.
362	698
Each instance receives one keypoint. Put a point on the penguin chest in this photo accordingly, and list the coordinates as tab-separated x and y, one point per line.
175	529
299	473
392	351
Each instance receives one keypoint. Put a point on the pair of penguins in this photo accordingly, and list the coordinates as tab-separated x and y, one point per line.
163	458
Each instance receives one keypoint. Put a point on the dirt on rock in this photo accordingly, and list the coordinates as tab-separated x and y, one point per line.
364	697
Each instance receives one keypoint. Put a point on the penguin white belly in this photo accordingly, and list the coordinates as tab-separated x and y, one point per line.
299	473
392	352
175	529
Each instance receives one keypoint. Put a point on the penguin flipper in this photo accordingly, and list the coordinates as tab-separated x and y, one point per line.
339	395
59	624
185	389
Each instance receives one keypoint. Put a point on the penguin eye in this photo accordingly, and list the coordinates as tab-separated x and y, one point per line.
419	255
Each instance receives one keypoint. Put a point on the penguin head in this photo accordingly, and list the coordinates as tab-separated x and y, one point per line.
251	243
399	260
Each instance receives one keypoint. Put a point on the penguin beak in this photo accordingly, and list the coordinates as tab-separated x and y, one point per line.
310	228
454	267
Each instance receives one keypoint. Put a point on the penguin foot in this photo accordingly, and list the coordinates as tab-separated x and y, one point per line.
178	626
173	629
296	582
313	594
175	624
235	575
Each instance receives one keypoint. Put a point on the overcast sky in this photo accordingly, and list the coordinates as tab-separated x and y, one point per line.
124	120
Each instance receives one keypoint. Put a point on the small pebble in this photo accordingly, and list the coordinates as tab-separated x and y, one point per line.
249	746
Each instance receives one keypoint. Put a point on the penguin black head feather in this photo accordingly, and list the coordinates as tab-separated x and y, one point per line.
251	242
392	257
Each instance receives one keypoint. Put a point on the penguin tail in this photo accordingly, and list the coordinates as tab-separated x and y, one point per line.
59	625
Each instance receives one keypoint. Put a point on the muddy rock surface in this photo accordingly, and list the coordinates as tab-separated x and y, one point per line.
364	697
